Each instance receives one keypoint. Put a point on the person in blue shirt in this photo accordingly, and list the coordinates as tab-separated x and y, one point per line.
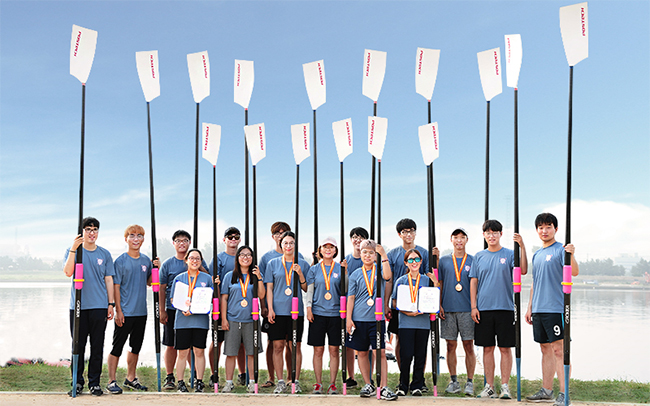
132	273
97	302
493	305
414	326
546	305
237	307
192	328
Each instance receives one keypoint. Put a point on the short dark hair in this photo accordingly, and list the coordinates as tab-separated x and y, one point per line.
182	233
89	221
236	272
360	231
409	252
545	218
493	225
191	250
280	225
404	224
287	234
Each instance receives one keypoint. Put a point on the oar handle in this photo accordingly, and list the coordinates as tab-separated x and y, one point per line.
215	308
256	309
516	279
155	280
567	279
78	276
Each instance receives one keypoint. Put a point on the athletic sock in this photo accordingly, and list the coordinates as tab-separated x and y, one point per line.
229	381
454	378
469	379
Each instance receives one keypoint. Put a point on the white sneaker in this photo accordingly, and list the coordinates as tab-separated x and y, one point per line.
228	387
487	392
281	387
505	392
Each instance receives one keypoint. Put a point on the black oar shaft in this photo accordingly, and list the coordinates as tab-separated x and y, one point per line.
517	296
315	193
567	256
246	207
294	323
487	168
195	236
343	287
215	272
372	187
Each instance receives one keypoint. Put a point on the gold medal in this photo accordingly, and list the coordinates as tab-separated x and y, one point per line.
370	302
244	303
328	296
458	270
287	291
459	287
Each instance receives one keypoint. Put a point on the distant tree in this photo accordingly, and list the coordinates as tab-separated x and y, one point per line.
601	267
29	263
57	265
641	268
165	249
6	263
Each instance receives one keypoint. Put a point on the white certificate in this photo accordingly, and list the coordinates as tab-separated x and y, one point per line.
429	299
200	303
404	299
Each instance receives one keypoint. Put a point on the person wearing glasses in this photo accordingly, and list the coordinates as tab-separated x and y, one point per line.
132	272
413	326
170	269
493	304
237	307
279	279
406	230
97	302
191	327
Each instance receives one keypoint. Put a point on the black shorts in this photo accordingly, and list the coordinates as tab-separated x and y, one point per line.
324	325
134	327
393	324
365	336
265	325
190	337
499	323
548	327
168	329
282	329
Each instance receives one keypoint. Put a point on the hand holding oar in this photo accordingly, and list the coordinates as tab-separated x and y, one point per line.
147	66
243	85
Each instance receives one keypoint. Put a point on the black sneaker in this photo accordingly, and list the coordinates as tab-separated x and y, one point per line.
425	389
241	379
79	388
199	387
135	384
113	388
96	390
351	383
182	387
212	380
170	383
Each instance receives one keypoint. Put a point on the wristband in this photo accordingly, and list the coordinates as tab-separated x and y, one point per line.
112	304
73	251
384	260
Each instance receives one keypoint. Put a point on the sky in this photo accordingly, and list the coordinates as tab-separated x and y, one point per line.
40	116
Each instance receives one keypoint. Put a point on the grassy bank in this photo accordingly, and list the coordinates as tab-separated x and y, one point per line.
44	378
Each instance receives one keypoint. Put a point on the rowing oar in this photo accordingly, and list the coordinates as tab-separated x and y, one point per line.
211	143
374	68
300	142
198	66
426	72
489	67
314	74
513	64
255	137
82	53
343	139
575	36
243	85
147	65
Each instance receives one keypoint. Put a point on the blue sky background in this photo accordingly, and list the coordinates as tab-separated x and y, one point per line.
40	106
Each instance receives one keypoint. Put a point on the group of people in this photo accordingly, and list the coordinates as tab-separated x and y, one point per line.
476	303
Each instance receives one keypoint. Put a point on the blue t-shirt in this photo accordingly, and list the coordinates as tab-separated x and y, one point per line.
320	305
132	274
453	300
275	274
225	264
97	265
353	264
269	256
548	273
396	261
494	273
421	321
237	313
358	289
193	320
169	270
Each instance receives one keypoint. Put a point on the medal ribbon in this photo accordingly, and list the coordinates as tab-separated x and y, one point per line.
327	277
190	288
244	286
370	284
462	266
287	275
414	289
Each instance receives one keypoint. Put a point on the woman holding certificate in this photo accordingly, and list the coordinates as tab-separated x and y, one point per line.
324	289
237	305
192	296
413	324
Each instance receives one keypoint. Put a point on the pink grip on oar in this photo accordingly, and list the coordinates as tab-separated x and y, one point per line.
435	273
294	308
432	317
566	283
215	309
155	280
344	307
379	309
255	387
516	279
256	311
78	276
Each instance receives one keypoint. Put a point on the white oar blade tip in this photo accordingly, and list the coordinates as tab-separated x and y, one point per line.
82	52
343	137
426	71
513	56
147	65
574	26
428	135
489	66
377	130
300	141
211	142
374	69
198	65
256	141
243	82
314	73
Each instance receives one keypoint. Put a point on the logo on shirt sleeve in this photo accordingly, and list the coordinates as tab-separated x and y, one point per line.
503	260
100	261
548	257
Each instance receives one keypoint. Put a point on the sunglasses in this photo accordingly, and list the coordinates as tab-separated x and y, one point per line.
412	260
233	237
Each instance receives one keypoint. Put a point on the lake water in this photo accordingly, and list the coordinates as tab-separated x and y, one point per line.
610	332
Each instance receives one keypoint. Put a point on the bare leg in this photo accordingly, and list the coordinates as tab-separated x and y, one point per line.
334	363
451	356
488	361
199	362
270	366
131	363
278	348
230	367
181	359
470	358
299	361
397	348
112	366
287	359
241	360
170	359
506	364
364	365
558	355
350	362
384	366
548	366
318	363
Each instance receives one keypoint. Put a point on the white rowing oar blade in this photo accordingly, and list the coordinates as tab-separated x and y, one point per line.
514	54
244	80
343	137
426	71
377	129
300	142
575	32
374	68
147	64
211	142
314	73
489	67
82	52
256	141
428	134
198	65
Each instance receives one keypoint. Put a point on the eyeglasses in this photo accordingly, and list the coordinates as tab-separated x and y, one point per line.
279	233
183	241
495	234
289	244
136	236
412	260
357	238
407	232
233	237
193	258
368	252
245	256
91	230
